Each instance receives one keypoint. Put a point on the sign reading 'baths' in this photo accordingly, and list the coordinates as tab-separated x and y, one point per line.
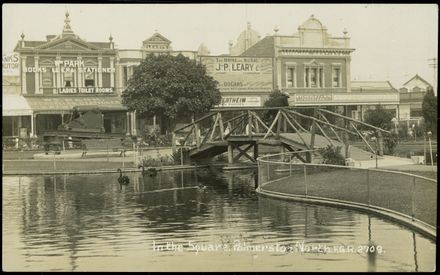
240	73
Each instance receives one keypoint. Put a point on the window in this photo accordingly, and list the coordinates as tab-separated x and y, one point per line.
68	79
47	78
291	77
307	77
321	79
124	75
89	79
314	78
129	72
336	77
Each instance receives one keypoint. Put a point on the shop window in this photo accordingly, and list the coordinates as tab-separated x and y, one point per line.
68	79
336	77
291	77
89	80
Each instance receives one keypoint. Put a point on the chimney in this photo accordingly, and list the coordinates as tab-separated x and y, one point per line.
22	40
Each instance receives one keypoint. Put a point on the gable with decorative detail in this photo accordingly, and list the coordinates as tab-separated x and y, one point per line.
68	43
157	39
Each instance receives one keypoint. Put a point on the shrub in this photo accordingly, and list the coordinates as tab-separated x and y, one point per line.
151	162
332	155
390	143
176	155
156	139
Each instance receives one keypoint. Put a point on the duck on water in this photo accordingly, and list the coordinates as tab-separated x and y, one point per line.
150	171
123	179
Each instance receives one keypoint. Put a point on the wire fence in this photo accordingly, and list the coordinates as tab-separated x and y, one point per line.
408	195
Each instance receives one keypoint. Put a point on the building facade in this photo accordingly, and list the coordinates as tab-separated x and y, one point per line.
411	98
313	67
64	71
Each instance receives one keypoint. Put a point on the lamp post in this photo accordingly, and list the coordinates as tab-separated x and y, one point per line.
424	148
430	150
414	131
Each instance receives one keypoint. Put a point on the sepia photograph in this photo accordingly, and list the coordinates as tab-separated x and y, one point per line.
152	137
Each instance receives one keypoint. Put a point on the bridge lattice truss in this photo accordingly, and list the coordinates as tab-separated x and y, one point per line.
300	130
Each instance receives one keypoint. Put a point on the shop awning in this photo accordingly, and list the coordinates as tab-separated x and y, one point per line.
15	105
52	105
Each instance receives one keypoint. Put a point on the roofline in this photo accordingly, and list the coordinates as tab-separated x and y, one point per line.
417	75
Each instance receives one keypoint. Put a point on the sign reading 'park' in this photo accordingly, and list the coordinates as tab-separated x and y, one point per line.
240	73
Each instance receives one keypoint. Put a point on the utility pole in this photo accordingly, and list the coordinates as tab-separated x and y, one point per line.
433	64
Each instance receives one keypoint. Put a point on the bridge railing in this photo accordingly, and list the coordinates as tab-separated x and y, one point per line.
270	122
410	197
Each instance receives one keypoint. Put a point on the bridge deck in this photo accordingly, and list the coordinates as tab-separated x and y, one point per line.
210	149
356	153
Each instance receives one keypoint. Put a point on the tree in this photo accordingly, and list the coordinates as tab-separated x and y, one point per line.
276	99
429	111
379	117
170	87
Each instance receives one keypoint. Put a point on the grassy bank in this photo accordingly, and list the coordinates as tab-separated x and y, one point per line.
387	190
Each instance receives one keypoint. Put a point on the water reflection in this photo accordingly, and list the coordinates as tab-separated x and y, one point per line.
86	222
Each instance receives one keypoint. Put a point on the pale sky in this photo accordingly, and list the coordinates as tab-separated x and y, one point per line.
392	42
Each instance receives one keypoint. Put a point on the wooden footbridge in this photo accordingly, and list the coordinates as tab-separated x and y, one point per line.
300	130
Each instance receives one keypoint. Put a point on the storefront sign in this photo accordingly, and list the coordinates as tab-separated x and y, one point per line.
11	64
240	73
69	66
240	101
89	90
68	70
313	98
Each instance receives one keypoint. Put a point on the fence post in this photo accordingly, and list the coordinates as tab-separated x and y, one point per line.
181	155
305	180
368	187
412	198
108	159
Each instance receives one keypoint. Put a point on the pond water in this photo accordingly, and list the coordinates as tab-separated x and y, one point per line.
164	223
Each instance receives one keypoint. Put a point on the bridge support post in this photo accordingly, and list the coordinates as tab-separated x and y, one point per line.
347	145
309	157
230	153
255	151
380	140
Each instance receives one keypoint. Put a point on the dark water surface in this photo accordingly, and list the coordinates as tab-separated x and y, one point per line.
90	223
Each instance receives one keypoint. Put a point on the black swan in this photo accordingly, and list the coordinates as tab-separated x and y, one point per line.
123	180
151	171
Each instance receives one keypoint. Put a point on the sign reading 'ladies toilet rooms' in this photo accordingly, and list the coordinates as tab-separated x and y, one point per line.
240	73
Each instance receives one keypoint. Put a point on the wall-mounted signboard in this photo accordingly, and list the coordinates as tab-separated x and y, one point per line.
240	74
11	64
240	101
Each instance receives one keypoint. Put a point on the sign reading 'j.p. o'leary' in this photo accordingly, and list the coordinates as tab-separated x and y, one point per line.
240	73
